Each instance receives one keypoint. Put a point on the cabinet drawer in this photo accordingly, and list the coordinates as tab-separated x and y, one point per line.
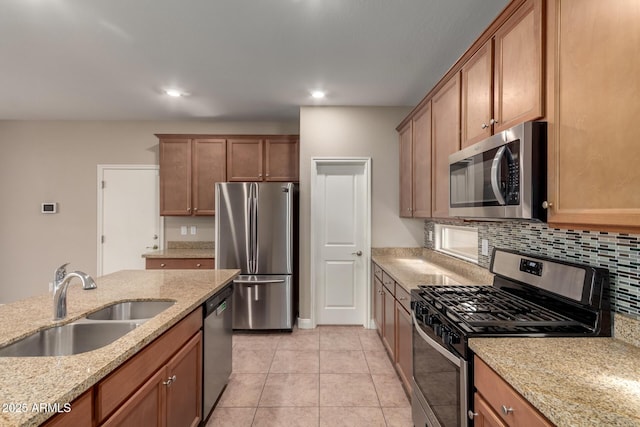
377	271
501	397
388	282
179	263
403	297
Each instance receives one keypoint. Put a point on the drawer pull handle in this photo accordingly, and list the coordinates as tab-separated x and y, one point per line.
506	410
169	381
402	298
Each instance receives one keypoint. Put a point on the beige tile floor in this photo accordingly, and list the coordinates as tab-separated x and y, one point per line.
328	376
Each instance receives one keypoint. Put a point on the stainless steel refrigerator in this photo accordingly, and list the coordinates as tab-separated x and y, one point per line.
256	232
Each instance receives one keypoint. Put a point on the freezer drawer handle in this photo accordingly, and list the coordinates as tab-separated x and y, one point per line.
258	282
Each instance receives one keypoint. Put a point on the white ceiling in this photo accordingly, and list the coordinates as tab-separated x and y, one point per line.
238	59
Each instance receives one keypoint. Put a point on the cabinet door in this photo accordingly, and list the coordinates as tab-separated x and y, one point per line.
594	151
145	408
446	140
281	160
406	176
477	96
389	329
404	345
378	304
175	177
209	166
184	393
421	163
518	82
484	416
244	160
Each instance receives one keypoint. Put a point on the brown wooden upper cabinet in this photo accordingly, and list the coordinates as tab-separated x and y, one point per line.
502	83
415	165
263	159
593	144
189	168
445	124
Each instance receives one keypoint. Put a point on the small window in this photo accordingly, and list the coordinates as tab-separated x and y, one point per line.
461	242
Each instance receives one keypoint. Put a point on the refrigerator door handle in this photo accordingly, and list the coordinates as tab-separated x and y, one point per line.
258	282
254	230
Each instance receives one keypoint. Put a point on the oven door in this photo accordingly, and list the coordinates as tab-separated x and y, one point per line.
440	381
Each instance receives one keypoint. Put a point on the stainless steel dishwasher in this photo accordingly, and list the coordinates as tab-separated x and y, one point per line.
216	358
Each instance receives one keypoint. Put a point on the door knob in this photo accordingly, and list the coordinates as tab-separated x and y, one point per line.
359	253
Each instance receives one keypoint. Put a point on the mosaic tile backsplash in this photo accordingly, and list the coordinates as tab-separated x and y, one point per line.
617	252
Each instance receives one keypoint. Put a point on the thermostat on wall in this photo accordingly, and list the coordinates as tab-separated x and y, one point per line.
49	208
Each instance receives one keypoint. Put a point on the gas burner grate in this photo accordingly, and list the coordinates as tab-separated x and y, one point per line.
487	306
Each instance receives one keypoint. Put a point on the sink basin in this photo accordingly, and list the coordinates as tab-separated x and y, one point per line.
65	340
131	310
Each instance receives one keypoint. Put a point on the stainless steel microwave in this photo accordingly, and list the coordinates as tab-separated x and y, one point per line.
502	177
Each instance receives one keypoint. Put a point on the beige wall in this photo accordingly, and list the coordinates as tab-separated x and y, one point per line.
57	161
355	131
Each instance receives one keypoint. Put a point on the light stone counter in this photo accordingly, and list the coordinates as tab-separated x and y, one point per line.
180	253
572	381
25	381
411	267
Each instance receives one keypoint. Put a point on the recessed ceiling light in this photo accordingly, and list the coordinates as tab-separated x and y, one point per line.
174	93
318	94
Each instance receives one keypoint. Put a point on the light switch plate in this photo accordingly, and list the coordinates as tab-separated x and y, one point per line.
193	230
485	247
183	230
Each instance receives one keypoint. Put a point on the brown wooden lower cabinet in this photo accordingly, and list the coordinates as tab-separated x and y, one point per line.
404	345
392	314
389	326
179	263
160	386
500	404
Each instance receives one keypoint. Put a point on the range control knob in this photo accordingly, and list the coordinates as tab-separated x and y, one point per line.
437	329
432	320
444	334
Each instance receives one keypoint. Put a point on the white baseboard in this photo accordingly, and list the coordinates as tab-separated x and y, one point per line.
304	323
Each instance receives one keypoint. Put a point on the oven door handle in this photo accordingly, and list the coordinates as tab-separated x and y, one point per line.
449	356
495	170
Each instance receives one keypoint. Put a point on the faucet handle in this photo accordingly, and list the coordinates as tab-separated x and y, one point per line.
60	273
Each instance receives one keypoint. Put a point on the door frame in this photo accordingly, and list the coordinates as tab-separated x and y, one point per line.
100	224
316	162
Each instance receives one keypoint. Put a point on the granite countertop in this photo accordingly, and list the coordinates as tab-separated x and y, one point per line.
180	253
34	380
410	268
572	381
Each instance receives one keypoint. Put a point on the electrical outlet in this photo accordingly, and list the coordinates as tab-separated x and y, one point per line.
193	230
431	236
485	247
183	230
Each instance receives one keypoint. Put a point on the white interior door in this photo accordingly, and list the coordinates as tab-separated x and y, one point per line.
129	222
340	240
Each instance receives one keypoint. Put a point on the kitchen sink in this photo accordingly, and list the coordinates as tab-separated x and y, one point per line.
65	340
131	310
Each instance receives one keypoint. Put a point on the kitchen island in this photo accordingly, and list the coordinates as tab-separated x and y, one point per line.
32	383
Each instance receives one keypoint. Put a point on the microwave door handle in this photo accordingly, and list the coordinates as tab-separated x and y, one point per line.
495	170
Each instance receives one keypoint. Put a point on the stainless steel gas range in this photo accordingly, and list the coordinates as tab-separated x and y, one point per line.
532	296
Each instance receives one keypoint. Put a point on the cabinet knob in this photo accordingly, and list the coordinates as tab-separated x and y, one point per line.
402	298
259	175
195	209
471	415
506	410
267	175
484	126
198	265
547	205
493	122
188	209
163	265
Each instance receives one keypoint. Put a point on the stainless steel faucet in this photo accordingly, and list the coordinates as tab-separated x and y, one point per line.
60	283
